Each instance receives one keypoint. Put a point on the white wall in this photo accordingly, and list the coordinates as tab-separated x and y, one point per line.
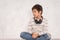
15	14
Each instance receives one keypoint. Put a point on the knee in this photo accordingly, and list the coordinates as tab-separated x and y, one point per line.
47	36
22	34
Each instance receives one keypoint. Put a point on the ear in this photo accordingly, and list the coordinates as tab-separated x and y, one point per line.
40	12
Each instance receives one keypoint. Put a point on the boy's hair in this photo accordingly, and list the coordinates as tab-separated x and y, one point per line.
38	7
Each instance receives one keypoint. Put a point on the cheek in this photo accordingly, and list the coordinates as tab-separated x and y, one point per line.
35	14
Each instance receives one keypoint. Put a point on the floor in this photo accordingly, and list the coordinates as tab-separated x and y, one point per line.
19	39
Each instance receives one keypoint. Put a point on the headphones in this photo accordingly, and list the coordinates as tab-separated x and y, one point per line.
38	22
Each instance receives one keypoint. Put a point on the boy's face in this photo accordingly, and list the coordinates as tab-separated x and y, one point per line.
36	13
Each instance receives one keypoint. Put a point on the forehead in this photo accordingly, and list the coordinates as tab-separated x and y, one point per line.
34	10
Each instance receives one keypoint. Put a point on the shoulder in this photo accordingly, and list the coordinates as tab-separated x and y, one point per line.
31	20
45	21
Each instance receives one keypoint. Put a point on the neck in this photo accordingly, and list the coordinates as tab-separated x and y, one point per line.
39	17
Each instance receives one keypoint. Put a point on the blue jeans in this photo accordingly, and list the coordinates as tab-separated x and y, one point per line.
28	36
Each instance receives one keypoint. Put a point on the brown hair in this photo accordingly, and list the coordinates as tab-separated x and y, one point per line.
38	7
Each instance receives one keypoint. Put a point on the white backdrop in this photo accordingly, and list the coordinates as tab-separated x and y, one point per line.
15	14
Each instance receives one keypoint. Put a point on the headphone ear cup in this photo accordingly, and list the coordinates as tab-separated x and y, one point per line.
38	22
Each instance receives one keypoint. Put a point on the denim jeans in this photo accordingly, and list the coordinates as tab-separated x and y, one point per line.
28	36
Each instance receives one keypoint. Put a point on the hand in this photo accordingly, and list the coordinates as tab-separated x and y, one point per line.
35	35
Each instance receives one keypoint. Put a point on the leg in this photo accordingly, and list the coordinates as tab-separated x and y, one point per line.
26	36
44	37
41	38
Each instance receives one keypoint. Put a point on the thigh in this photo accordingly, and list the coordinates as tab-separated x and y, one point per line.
46	36
41	38
26	36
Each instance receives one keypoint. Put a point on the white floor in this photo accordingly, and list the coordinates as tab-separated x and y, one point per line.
19	39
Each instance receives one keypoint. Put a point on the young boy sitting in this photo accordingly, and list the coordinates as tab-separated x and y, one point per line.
37	27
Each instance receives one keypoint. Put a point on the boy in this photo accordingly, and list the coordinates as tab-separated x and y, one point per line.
37	27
